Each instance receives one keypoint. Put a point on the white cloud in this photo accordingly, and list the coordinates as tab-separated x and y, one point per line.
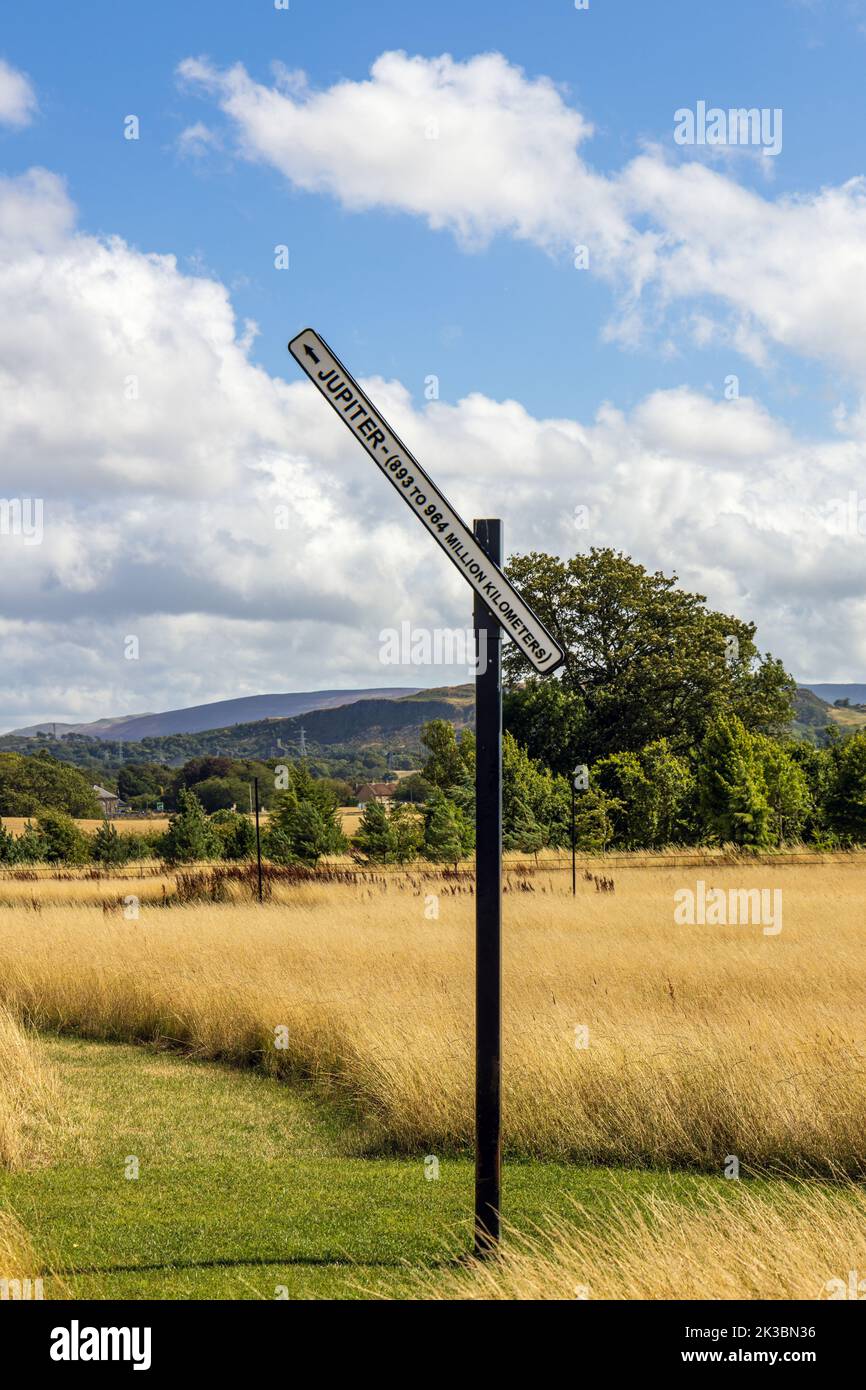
474	147
508	159
197	140
792	271
159	513
115	368
684	424
17	97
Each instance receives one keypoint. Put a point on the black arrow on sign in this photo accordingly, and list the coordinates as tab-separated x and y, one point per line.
309	351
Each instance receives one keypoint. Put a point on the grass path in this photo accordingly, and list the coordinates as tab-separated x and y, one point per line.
246	1184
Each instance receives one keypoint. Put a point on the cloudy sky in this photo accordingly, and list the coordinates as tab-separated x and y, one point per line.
577	319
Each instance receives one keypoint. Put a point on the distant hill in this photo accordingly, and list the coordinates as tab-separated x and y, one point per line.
99	728
381	724
855	694
220	715
813	715
348	730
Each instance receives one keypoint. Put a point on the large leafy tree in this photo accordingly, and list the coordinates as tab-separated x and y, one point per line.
548	719
532	799
141	779
653	790
449	763
788	795
594	820
846	790
32	784
732	786
647	659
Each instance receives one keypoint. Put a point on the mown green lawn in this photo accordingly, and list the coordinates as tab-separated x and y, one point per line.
247	1185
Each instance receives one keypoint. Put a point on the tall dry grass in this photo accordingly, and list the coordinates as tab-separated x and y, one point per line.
29	1098
803	1245
703	1041
17	1257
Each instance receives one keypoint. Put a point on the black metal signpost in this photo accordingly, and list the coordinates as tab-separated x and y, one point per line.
573	845
498	607
258	840
488	910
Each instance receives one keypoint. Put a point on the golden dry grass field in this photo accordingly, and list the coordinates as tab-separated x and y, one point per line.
128	825
30	1099
800	1244
628	1039
640	1057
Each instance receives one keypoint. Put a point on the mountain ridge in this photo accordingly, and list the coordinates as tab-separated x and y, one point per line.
216	714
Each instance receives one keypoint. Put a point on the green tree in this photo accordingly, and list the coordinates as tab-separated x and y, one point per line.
732	787
653	790
787	791
312	836
30	846
31	784
373	840
406	832
303	824
444	767
64	842
337	789
107	847
222	793
532	796
648	659
595	815
237	834
845	803
523	833
190	836
444	836
415	789
549	721
816	765
142	780
8	846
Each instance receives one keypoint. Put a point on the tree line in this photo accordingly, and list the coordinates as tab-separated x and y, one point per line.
671	722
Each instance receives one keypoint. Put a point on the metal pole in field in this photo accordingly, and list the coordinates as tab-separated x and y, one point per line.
573	846
477	554
488	910
258	839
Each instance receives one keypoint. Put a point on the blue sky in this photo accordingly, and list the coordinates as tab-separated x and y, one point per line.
397	297
498	315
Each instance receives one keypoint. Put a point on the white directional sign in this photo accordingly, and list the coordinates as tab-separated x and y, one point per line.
394	460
